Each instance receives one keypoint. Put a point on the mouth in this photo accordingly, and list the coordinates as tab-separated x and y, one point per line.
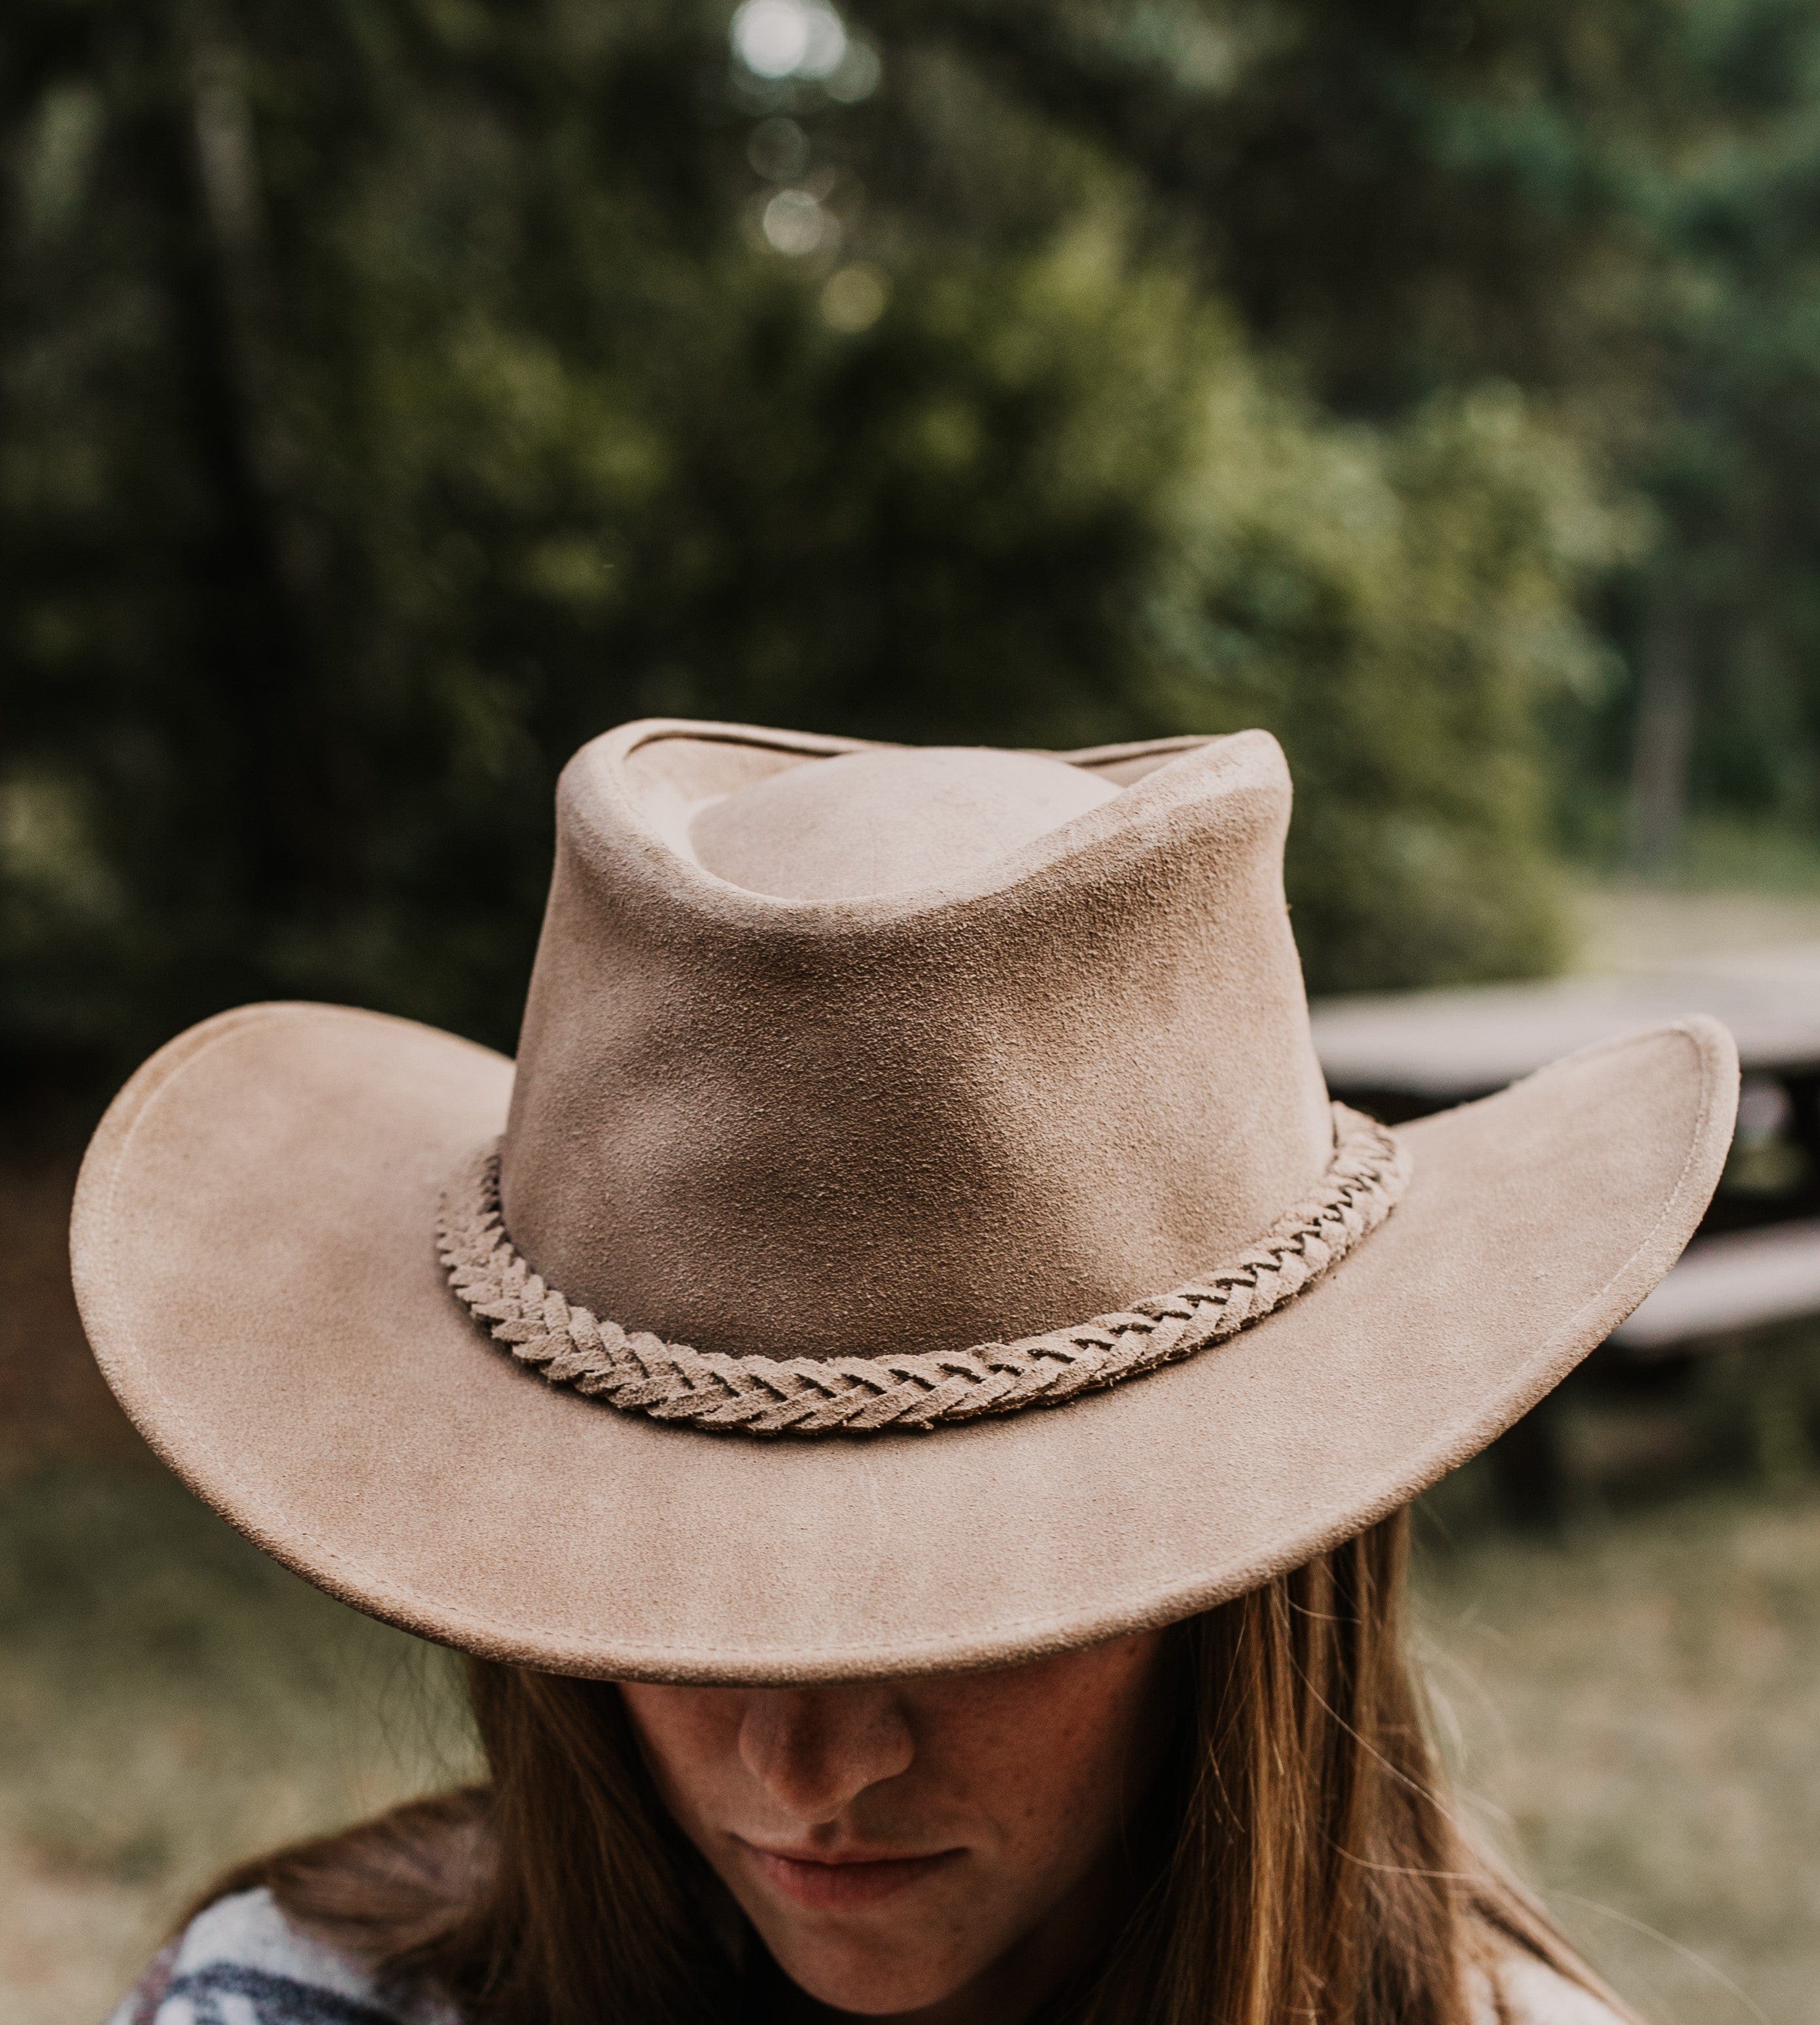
825	1882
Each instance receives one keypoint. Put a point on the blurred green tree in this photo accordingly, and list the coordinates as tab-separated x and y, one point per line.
1612	206
391	396
1729	698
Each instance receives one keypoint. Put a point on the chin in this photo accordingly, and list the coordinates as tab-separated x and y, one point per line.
861	1978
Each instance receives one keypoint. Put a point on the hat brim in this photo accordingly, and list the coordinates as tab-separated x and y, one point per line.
253	1255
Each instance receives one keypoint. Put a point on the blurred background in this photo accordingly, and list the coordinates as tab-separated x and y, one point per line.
395	393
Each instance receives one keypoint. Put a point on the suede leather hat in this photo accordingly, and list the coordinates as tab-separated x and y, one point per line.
917	1236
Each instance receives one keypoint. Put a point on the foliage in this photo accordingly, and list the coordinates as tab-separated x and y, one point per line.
392	396
1611	205
1732	464
1395	605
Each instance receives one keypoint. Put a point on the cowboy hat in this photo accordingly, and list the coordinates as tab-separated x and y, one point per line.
917	1236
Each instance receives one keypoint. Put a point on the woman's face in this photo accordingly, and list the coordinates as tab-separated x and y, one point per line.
944	1847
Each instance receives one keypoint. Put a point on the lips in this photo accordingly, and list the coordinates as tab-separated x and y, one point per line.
832	1882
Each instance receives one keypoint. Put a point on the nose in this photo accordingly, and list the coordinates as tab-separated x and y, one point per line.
816	1750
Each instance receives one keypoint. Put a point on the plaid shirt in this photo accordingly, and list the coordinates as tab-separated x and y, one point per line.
242	1963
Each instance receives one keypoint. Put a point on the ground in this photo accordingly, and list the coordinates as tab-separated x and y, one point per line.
1633	1713
169	1700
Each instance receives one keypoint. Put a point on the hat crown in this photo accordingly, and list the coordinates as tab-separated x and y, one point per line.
863	824
838	1050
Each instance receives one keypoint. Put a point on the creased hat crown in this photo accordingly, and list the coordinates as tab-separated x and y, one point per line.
1015	1043
1050	1084
863	824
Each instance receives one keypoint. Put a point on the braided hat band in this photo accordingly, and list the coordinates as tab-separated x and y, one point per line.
640	1373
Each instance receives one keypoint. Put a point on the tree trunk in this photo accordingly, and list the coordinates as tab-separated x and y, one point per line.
1663	748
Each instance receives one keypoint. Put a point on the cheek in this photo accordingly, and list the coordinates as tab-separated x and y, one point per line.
690	1740
1068	1753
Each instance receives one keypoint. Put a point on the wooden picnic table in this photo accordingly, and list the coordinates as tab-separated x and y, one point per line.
1442	1047
1755	1263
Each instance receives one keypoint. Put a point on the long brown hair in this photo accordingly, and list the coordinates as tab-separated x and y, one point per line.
1298	1863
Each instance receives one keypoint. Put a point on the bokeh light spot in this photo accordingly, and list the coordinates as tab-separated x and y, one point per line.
780	38
853	299
857	75
794	222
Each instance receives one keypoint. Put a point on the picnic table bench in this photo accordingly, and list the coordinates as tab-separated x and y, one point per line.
1755	1263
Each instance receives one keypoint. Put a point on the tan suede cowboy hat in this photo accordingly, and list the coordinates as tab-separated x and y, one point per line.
920	1238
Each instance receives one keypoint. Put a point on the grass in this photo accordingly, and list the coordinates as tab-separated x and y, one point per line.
1651	927
1731	887
170	1701
1713	851
1635	1711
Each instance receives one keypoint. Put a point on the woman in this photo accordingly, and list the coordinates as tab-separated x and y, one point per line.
854	1629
